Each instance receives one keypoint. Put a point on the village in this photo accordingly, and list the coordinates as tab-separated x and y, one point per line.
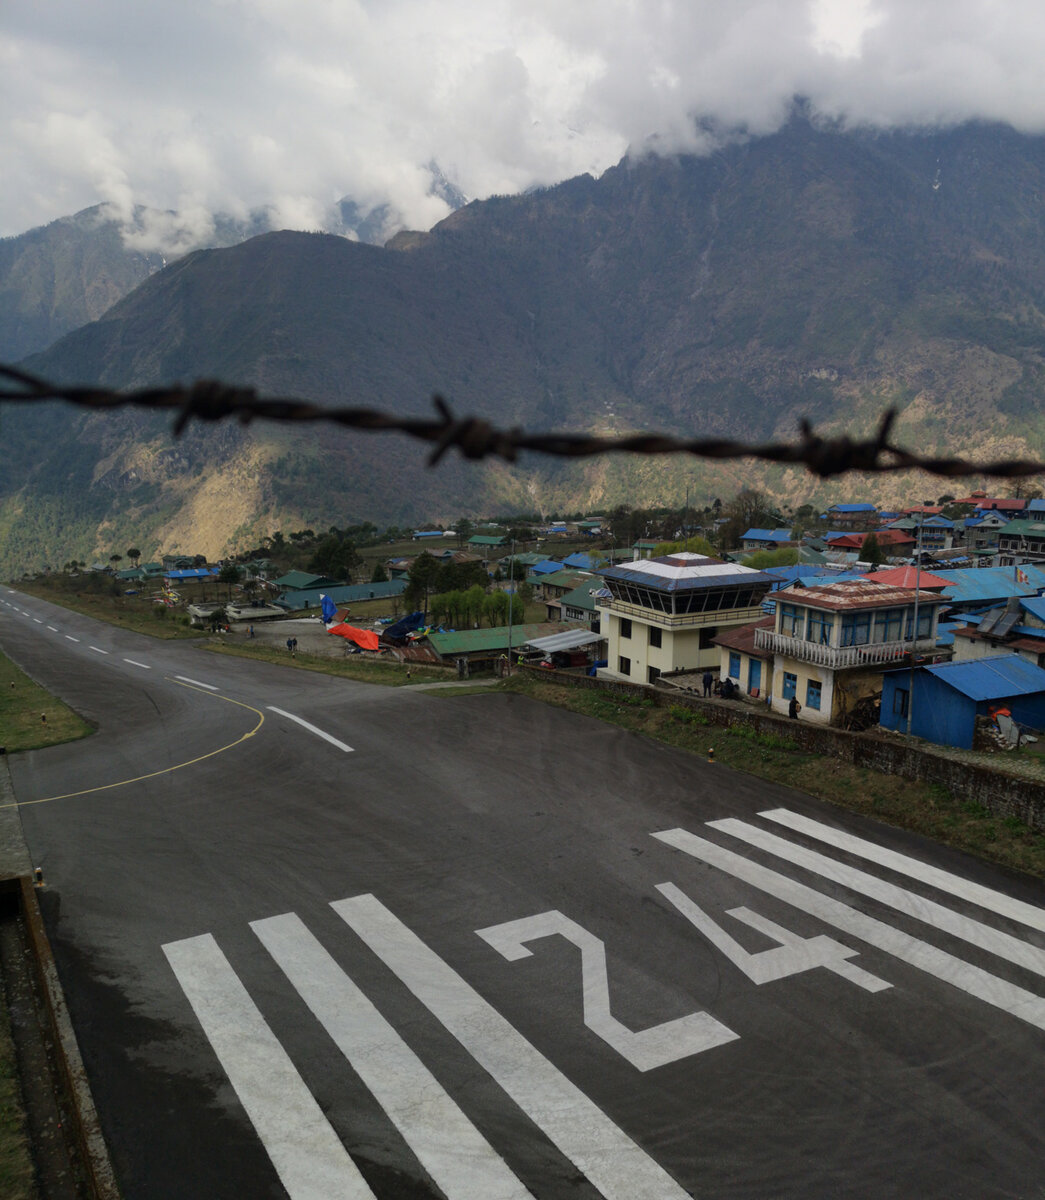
927	621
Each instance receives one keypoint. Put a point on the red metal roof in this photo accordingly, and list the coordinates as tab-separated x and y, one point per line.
909	577
743	638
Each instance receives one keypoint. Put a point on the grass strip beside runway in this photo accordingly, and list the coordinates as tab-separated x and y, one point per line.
23	707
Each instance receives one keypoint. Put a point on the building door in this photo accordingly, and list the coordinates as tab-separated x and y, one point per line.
754	674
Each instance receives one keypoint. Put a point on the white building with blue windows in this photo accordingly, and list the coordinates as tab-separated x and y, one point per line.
830	644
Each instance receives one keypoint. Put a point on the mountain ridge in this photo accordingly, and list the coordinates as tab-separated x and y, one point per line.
812	273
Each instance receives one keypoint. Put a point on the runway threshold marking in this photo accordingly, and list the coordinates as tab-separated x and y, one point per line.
106	787
615	1165
903	864
972	980
994	941
459	1159
309	1157
311	728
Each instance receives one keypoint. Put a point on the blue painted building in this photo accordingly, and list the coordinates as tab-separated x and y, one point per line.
947	698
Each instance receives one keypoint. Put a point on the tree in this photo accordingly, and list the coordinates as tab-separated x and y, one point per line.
134	555
380	575
334	556
421	580
747	510
695	545
454	576
786	556
115	559
228	575
871	551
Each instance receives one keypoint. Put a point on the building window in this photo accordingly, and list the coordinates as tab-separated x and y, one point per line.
888	625
925	622
900	702
654	635
707	635
813	693
820	626
856	629
653	673
624	665
790	685
625	627
792	620
734	665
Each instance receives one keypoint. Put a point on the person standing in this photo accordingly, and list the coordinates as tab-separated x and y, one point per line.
707	682
794	708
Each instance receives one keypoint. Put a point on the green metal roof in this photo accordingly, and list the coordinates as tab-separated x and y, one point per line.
302	581
581	597
472	641
1023	528
482	539
566	579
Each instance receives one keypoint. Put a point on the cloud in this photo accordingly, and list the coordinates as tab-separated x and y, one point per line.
232	105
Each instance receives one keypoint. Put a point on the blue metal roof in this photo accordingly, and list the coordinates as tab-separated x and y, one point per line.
1035	606
766	535
852	508
580	560
994	678
984	584
546	567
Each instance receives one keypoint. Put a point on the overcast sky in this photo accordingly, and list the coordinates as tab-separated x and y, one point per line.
207	105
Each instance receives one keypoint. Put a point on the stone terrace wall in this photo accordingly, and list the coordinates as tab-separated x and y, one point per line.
1000	793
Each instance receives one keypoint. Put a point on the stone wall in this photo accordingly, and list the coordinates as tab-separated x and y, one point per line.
1001	793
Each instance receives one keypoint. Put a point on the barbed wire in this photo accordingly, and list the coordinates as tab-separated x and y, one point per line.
475	438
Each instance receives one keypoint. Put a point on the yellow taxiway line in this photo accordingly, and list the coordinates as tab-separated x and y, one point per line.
105	787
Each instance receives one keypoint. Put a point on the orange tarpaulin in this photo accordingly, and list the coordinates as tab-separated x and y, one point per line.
365	638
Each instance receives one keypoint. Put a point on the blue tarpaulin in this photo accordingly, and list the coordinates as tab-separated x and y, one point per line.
405	625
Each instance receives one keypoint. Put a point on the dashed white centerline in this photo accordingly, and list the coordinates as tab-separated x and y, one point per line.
37	620
99	650
52	629
70	638
312	729
196	683
144	666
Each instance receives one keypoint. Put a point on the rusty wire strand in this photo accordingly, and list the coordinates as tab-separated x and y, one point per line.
474	438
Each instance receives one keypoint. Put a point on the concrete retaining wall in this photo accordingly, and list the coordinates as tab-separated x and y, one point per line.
1001	793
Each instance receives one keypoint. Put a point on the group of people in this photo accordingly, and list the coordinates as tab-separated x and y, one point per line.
725	688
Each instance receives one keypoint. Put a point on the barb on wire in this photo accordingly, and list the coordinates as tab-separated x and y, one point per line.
474	438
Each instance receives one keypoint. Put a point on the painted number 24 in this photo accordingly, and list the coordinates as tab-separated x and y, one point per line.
696	1032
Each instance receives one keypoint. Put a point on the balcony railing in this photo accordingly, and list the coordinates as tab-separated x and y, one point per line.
652	616
839	658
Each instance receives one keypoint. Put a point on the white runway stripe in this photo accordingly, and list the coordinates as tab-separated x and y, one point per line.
1004	906
70	638
135	663
974	932
312	729
306	1152
196	683
955	971
449	1147
99	650
613	1163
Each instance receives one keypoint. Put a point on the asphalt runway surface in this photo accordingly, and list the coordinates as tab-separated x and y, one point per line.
324	939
